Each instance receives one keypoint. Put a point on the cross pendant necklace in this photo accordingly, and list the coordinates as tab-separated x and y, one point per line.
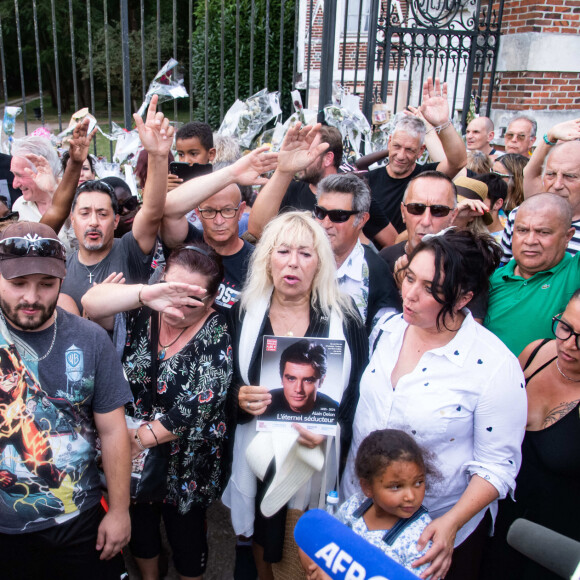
92	273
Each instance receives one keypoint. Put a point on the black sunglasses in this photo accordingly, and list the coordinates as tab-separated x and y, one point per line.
336	216
563	331
436	210
129	205
21	247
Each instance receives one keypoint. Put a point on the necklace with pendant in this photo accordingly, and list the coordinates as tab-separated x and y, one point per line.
36	359
164	347
566	376
92	273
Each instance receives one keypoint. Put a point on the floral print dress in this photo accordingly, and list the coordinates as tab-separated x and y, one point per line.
191	394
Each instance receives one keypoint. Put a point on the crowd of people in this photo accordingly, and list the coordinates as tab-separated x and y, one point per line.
427	315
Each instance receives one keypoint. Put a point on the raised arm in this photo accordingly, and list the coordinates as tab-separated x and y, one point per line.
435	110
567	131
301	146
59	210
245	171
105	300
156	135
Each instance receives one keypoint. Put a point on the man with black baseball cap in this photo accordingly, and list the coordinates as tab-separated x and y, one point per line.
61	386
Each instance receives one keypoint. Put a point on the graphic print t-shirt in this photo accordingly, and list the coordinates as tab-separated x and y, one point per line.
48	473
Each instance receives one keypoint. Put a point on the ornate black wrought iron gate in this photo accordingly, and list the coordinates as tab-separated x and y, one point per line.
457	40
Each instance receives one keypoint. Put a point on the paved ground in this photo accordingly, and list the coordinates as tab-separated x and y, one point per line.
222	542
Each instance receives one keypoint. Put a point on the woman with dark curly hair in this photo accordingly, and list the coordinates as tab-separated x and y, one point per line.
176	320
456	388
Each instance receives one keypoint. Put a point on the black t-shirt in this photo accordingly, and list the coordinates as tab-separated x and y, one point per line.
235	268
391	254
388	191
300	196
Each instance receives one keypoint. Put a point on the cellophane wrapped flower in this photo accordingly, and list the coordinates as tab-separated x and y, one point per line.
246	119
167	84
349	120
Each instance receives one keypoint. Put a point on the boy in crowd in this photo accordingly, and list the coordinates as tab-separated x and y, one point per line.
194	144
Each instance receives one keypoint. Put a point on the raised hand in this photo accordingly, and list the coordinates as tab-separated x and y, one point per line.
301	146
566	131
169	297
80	141
435	108
41	173
155	132
466	210
249	169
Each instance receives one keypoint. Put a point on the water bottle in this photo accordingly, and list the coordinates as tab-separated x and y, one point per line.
331	502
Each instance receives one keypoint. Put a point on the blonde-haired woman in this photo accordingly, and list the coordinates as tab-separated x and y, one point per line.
291	290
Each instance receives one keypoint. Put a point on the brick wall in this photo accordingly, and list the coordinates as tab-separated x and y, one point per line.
536	90
534	16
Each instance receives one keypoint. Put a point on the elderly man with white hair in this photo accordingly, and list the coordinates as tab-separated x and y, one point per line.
46	197
407	144
553	168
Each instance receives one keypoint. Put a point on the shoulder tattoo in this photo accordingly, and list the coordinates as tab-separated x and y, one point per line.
558	412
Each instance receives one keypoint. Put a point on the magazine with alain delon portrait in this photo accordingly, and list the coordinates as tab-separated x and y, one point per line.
305	377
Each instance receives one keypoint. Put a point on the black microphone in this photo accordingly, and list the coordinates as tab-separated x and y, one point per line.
556	552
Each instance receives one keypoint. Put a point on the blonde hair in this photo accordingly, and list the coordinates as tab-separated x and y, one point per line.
296	228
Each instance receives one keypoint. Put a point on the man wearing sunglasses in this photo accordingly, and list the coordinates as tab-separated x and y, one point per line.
520	135
553	168
62	385
537	283
428	206
342	208
303	162
406	146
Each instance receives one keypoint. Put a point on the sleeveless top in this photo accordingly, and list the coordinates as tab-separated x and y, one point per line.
549	479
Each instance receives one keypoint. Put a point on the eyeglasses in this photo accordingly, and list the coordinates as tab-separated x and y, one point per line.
21	247
506	175
336	216
131	204
519	136
227	212
563	331
436	210
96	185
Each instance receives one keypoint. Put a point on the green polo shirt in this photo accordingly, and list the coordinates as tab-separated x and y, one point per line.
520	311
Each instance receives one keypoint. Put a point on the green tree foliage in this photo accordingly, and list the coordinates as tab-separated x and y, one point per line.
135	58
213	47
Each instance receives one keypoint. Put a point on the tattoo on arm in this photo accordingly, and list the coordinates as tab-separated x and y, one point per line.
558	412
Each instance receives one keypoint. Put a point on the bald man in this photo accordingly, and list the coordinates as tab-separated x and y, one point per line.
540	279
479	135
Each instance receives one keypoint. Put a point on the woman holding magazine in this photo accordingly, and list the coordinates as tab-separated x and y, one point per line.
291	290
